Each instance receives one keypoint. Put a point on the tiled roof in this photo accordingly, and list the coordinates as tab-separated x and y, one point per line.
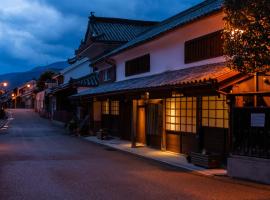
200	10
90	80
195	75
60	88
117	30
112	30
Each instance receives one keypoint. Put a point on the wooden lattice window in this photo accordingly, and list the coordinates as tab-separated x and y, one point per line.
138	65
181	114
106	107
205	47
215	112
114	107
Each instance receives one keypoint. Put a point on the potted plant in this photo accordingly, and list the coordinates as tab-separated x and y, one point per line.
206	159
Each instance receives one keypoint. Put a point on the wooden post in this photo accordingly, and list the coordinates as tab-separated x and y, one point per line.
163	139
231	123
134	123
199	123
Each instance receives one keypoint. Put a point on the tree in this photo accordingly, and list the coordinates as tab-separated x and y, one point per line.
41	82
247	35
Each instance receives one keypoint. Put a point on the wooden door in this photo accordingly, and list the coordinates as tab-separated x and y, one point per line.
141	132
154	125
125	119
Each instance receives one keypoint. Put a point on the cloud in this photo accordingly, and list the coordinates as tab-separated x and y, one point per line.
38	32
32	31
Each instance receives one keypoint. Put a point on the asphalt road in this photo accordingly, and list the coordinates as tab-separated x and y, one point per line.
39	161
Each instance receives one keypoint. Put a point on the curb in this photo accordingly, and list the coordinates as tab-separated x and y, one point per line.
163	162
187	170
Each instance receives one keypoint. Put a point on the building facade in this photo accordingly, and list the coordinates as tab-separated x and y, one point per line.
169	88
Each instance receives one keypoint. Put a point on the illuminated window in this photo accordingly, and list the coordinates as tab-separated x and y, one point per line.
181	114
215	112
115	107
105	107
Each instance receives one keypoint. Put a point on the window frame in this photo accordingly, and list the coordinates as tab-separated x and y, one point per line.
105	107
211	112
182	118
138	65
205	47
115	108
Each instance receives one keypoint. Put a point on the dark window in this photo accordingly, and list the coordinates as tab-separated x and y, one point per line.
138	65
205	47
107	75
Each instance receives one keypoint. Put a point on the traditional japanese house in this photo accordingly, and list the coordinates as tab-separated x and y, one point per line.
102	36
25	97
173	91
42	105
68	83
167	82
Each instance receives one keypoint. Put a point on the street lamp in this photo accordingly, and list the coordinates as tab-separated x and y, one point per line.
4	84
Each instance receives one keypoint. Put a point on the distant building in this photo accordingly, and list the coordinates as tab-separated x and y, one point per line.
25	95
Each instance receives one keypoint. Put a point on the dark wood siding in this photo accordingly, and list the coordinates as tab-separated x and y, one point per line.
111	123
189	143
125	119
205	47
173	142
215	140
154	141
138	65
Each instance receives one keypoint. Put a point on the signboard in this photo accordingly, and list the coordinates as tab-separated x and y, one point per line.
258	120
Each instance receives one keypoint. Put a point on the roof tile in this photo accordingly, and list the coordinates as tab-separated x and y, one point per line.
200	10
193	75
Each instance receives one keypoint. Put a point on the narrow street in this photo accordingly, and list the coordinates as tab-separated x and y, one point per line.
38	160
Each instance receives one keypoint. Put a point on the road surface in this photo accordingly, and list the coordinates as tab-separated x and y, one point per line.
39	161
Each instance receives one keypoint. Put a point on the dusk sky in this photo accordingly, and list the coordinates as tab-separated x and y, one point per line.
39	32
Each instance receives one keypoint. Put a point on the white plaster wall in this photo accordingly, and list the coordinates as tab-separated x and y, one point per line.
167	52
77	70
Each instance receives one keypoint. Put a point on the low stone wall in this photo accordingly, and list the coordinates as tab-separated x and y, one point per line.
254	169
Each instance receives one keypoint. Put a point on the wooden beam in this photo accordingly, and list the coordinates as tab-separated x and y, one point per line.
134	123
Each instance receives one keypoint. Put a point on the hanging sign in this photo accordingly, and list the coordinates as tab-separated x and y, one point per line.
257	119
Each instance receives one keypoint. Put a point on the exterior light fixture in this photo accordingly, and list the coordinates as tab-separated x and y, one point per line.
28	85
5	84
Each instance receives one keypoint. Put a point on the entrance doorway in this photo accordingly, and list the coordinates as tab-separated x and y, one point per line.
150	123
154	124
